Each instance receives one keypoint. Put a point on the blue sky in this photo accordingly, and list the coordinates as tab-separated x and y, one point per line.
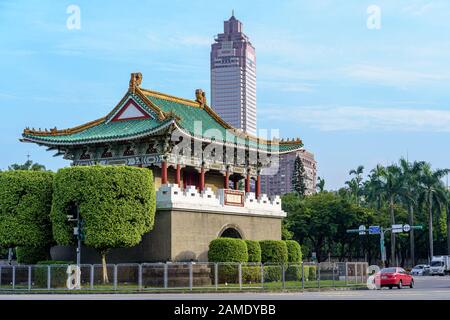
354	95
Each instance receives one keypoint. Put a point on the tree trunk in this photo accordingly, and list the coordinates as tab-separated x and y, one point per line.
104	269
391	205
411	236
10	251
430	224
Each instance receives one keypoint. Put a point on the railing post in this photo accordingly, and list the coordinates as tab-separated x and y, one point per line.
262	276
191	276
303	276
140	277
283	276
318	276
216	275
29	278
115	277
49	278
346	273
91	277
334	266
165	276
240	275
0	276
14	277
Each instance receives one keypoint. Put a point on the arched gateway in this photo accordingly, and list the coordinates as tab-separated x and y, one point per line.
194	196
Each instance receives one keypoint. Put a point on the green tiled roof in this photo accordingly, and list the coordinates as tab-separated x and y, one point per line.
189	114
103	132
186	112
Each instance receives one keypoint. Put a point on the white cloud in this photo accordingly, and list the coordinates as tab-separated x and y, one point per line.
420	7
392	77
354	118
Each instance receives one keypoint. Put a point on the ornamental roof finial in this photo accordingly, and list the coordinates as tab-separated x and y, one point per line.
135	81
200	97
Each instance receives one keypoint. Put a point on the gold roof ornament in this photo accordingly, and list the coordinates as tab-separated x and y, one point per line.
200	97
135	81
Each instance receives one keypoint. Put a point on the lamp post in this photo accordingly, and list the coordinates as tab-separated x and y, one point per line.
78	231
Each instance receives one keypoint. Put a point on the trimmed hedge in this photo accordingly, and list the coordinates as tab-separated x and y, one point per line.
253	250
116	203
25	202
32	255
58	273
273	251
227	250
294	251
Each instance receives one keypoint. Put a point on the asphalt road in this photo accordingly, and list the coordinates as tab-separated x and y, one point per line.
426	288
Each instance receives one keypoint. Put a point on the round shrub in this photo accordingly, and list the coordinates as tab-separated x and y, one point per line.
58	273
227	250
32	255
251	274
253	250
273	251
25	202
272	273
294	251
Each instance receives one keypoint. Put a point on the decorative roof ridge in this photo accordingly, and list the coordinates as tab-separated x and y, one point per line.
169	97
56	132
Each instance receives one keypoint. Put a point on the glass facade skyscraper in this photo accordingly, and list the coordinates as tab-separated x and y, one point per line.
233	77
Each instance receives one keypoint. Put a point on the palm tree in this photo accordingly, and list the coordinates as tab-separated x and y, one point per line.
410	172
373	186
355	183
392	185
432	193
320	184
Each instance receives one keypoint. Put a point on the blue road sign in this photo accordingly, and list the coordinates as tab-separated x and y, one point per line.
374	230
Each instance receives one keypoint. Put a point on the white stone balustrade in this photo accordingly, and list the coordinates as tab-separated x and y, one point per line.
171	196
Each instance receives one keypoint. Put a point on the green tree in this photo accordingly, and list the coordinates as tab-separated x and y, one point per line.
298	177
355	184
28	165
433	195
393	187
116	204
410	172
25	202
320	186
373	187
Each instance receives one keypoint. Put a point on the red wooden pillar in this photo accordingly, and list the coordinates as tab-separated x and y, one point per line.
258	186
226	182
236	183
164	172
178	176
247	183
202	179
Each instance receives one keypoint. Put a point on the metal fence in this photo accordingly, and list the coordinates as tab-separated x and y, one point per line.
186	276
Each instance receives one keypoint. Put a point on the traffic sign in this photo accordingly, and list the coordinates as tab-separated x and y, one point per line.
362	229
374	230
397	228
406	227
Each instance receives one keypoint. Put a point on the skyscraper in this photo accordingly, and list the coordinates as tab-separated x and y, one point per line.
233	77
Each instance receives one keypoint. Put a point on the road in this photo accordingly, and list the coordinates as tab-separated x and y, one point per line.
426	288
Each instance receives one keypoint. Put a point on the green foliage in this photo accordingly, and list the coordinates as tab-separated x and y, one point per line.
58	273
116	204
253	250
25	202
298	177
310	272
273	273
294	251
251	274
28	165
227	250
320	222
273	251
32	255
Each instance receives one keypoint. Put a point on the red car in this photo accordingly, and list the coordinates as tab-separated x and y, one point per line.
394	277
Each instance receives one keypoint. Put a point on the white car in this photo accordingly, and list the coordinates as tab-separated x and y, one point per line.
420	270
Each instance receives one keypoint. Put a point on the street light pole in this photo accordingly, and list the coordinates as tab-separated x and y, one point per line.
79	238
